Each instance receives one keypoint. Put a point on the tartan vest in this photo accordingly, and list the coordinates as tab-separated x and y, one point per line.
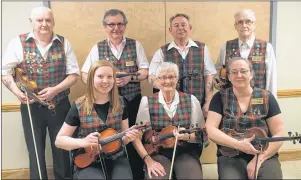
45	72
255	115
194	61
159	118
92	123
126	63
256	56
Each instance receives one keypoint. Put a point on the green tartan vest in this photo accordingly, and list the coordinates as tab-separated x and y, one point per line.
256	56
160	119
45	72
255	115
194	61
126	63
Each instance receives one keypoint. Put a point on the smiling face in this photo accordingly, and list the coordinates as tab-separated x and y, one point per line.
103	80
42	22
240	74
168	80
180	28
245	25
115	26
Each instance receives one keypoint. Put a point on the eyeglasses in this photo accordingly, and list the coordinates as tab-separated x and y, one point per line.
247	22
112	25
242	72
171	78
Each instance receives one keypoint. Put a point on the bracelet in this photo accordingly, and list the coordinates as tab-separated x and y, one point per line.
145	157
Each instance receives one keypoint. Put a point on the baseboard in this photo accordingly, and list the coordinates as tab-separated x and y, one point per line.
290	154
22	173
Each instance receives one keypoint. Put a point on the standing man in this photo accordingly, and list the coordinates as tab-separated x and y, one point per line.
47	59
259	52
190	56
129	57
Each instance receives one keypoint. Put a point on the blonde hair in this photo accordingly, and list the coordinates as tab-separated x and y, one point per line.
88	99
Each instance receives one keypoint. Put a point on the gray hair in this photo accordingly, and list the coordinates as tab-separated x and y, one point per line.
114	12
165	66
178	15
249	12
38	10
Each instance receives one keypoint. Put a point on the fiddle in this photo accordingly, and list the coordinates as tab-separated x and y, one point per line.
30	87
221	81
164	138
110	141
261	141
188	75
120	75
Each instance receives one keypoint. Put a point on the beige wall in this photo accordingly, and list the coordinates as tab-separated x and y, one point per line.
15	21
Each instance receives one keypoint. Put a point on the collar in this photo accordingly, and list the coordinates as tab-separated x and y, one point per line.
175	101
249	42
174	45
122	42
31	35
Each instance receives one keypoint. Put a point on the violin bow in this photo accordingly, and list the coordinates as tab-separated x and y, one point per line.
173	155
33	136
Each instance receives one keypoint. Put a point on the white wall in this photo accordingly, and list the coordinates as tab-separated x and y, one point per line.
288	38
14	152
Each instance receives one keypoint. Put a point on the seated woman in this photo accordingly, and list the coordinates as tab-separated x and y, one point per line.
100	108
243	108
170	107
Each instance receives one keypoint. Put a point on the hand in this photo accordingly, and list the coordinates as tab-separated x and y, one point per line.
47	94
205	109
182	136
91	140
123	80
155	168
130	135
251	167
246	146
23	99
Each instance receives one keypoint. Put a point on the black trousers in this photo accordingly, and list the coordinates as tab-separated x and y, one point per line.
116	169
186	166
134	158
236	167
41	119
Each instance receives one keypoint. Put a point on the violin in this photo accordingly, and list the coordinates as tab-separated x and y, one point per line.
221	80
188	75
110	141
120	75
164	138
30	87
261	141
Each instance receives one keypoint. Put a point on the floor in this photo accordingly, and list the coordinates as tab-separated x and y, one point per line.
290	170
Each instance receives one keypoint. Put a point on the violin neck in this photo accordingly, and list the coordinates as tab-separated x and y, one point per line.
276	139
169	135
32	95
111	138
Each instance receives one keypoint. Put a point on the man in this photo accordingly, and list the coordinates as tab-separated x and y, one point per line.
191	56
259	52
129	57
47	59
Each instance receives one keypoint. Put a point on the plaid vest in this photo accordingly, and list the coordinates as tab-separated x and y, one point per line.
256	56
45	72
258	109
159	118
126	63
92	123
194	61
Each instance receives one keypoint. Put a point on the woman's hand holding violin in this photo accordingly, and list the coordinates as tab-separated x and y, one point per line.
91	140
251	167
246	146
130	135
154	167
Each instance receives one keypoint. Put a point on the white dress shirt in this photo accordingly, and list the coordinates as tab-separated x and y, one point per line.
270	62
196	112
93	56
158	58
14	55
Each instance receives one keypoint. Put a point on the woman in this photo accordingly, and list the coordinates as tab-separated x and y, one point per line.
99	108
242	107
170	107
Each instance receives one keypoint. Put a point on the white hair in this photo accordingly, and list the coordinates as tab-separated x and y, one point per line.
165	66
249	12
38	11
